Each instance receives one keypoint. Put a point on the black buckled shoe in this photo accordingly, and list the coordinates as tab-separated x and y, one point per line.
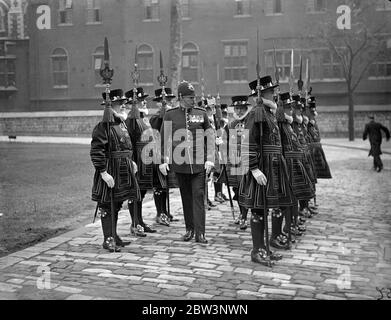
148	229
138	231
301	228
163	220
120	242
276	243
210	204
201	238
219	198
243	224
260	256
274	256
188	235
238	219
108	244
313	211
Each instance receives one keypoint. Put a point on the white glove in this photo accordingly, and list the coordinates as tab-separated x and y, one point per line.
164	168
134	167
208	166
108	179
219	141
259	177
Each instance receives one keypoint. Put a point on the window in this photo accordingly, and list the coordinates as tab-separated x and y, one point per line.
7	72
381	67
315	6
185	6
283	63
2	20
151	9
60	68
97	59
190	63
93	12
65	12
273	7
145	64
325	65
242	8
383	5
235	61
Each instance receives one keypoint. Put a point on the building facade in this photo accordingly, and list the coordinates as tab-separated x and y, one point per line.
56	68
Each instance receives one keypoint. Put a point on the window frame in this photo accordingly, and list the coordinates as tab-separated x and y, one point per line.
273	13
59	86
315	11
384	63
192	52
245	66
68	12
151	53
2	20
246	7
95	6
152	4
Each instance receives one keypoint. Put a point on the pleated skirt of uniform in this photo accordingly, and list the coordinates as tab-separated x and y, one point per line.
320	163
279	192
126	185
302	186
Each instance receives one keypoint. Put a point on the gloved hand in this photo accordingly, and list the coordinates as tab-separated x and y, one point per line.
108	179
259	177
164	168
219	141
208	166
134	167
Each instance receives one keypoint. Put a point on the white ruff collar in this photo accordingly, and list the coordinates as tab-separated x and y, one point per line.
299	119
236	117
288	118
270	104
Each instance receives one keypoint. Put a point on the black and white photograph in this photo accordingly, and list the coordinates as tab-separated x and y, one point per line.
195	156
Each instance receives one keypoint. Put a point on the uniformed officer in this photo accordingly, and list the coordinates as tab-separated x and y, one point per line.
141	134
300	130
264	136
159	192
191	157
294	155
117	174
236	133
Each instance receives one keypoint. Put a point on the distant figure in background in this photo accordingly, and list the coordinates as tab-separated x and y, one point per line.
373	129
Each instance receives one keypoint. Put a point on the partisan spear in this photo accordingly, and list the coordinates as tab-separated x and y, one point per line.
108	117
260	118
276	74
134	115
162	79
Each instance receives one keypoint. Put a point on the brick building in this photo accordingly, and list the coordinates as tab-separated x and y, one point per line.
57	68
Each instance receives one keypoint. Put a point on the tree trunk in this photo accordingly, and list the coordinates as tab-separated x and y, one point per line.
175	44
351	115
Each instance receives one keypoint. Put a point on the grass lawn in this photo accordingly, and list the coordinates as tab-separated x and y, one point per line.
44	189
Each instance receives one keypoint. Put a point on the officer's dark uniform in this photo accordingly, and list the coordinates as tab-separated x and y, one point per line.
121	170
236	133
264	133
141	136
163	217
187	158
322	170
300	130
373	129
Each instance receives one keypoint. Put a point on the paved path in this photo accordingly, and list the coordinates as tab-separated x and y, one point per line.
345	253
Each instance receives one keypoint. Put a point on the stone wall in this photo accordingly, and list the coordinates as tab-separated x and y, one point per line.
333	121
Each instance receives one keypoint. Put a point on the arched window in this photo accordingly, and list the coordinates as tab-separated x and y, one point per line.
60	67
2	20
97	59
145	64
190	62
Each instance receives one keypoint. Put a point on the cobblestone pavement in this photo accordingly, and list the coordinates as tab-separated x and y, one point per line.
345	253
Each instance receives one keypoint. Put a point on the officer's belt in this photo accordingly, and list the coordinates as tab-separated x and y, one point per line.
120	154
269	148
293	155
